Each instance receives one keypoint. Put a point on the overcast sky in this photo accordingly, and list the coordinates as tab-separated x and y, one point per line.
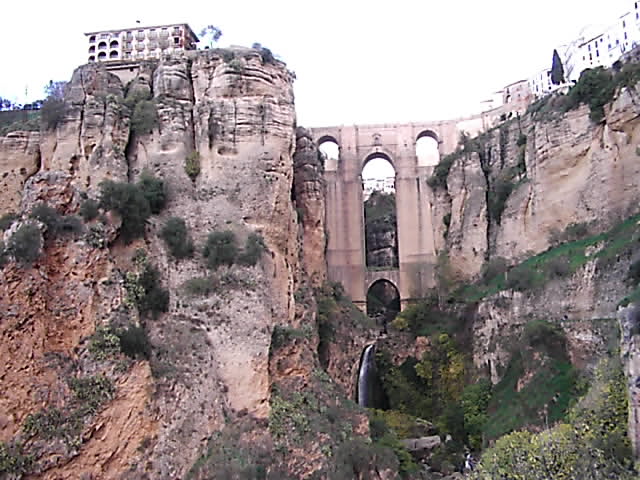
355	61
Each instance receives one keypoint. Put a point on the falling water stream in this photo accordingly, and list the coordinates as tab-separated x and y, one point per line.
366	377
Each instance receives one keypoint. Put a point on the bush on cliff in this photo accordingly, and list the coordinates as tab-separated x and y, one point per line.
25	244
592	443
176	236
56	224
89	209
7	220
130	203
252	250
144	117
220	249
133	202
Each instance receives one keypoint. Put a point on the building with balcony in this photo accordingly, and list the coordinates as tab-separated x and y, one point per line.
140	43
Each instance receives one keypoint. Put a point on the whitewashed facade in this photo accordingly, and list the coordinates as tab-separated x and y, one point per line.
140	43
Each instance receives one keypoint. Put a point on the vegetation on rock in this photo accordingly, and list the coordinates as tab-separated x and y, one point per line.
133	202
176	236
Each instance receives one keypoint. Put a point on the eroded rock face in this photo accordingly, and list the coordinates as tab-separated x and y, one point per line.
19	159
48	311
562	170
90	141
309	195
211	357
583	305
467	233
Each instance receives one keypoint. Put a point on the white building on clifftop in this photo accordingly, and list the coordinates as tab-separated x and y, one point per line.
140	43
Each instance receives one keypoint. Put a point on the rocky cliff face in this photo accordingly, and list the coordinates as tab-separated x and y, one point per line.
531	178
218	127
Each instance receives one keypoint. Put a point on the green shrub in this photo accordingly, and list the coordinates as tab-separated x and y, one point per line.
70	225
155	299
89	209
192	165
596	88
176	237
92	392
252	251
441	171
25	244
475	403
220	249
134	96
7	220
154	191
540	333
144	118
134	203
104	343
134	342
130	203
48	216
14	463
4	255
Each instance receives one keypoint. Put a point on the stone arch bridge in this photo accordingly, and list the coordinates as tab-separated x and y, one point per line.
346	256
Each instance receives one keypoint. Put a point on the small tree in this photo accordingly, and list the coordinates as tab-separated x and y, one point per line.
176	236
221	249
25	244
154	191
53	109
557	70
212	33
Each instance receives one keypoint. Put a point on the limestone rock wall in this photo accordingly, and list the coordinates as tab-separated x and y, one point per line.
584	305
573	171
309	197
19	159
211	355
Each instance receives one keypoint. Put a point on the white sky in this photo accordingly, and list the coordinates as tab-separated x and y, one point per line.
356	61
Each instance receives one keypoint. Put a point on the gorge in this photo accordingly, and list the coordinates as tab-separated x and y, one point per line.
182	286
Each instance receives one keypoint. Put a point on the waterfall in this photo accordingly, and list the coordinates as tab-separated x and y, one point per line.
366	376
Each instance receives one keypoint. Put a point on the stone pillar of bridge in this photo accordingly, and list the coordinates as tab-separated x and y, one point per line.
345	222
416	246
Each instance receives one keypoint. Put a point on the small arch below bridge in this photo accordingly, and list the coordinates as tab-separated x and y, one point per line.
427	148
383	301
329	147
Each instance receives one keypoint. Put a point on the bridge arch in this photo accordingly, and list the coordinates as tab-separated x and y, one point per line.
378	153
427	148
383	300
329	146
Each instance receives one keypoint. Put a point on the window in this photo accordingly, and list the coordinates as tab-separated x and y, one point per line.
625	35
92	49
589	47
176	40
624	25
597	53
92	38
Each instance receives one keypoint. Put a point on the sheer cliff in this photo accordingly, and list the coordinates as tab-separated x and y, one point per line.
123	359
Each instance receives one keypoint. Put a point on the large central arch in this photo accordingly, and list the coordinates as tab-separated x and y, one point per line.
356	145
